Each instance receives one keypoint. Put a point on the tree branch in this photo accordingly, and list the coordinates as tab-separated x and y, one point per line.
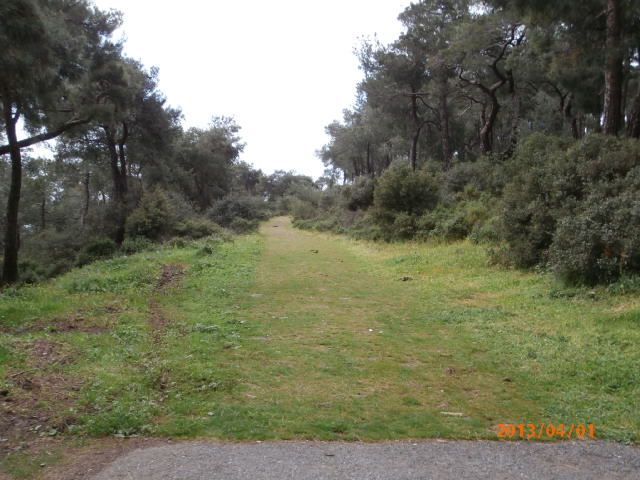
27	142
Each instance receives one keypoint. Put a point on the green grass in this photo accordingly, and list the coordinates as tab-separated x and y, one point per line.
265	339
23	465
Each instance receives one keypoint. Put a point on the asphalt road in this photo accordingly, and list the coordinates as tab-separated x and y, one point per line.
372	461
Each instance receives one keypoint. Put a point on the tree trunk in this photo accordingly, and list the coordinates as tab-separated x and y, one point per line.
443	110
413	151
119	176
570	117
122	155
488	121
43	212
516	108
12	235
613	70
87	197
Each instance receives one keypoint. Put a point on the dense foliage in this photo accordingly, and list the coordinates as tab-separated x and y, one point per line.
125	172
514	123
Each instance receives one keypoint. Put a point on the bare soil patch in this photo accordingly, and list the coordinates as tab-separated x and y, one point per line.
38	400
98	321
170	277
81	463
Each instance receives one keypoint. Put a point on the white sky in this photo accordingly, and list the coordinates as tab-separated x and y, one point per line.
282	68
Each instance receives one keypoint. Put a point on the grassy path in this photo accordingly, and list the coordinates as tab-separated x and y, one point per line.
297	335
344	350
339	347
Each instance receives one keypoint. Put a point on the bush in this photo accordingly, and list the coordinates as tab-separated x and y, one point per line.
302	209
153	217
400	189
49	253
485	175
32	272
234	206
242	225
196	228
489	231
359	195
601	242
468	210
574	210
52	244
96	249
133	245
400	196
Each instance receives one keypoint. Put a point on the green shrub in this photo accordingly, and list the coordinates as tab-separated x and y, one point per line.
400	189
32	272
242	225
400	196
360	194
96	249
302	209
488	231
484	175
133	245
402	227
49	253
153	217
574	210
198	228
234	206
51	244
457	219
601	242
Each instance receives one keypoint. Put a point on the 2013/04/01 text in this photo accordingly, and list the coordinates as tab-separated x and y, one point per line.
531	430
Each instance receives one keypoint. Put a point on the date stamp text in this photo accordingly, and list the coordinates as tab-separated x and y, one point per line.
546	430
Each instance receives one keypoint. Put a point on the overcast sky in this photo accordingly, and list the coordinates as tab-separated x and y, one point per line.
282	68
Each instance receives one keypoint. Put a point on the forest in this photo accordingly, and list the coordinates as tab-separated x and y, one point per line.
124	172
514	124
